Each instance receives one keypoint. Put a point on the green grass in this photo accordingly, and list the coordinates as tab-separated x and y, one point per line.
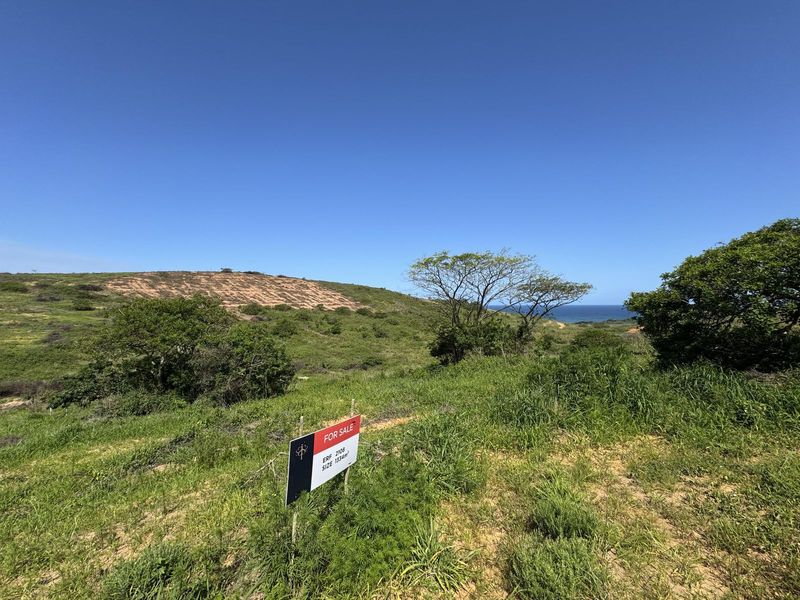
574	472
46	330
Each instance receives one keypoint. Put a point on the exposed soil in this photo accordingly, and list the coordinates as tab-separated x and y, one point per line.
704	580
14	403
233	289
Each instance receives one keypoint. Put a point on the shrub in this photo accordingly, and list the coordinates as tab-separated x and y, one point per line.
736	305
335	328
242	363
181	346
284	328
453	343
48	297
16	287
89	287
98	379
80	304
364	311
282	307
597	338
553	569
252	309
155	340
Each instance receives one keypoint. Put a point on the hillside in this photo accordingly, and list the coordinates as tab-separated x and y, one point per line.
48	319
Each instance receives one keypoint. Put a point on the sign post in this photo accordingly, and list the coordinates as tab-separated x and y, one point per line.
319	456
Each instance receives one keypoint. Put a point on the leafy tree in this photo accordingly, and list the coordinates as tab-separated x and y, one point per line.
156	339
737	304
184	346
467	285
540	294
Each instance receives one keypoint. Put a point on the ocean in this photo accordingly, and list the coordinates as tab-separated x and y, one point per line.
590	312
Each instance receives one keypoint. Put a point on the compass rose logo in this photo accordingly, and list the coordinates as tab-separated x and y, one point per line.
301	451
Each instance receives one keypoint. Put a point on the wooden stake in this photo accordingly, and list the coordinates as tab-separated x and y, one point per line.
347	470
294	529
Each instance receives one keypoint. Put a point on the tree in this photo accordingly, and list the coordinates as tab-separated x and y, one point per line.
154	340
540	294
467	284
467	287
737	304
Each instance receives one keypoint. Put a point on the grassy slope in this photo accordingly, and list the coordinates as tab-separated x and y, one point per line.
43	336
541	478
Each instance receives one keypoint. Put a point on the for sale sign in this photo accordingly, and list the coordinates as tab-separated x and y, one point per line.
318	457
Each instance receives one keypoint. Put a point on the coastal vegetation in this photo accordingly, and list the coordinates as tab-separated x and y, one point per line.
143	445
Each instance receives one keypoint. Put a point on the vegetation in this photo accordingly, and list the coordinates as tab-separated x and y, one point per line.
581	469
469	287
737	305
189	347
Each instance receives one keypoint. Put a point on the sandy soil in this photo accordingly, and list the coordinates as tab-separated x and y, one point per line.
233	289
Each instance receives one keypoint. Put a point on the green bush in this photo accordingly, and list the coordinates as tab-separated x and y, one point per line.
597	338
81	304
98	379
184	346
736	305
155	340
252	309
16	287
242	363
453	343
285	328
364	311
553	569
342	310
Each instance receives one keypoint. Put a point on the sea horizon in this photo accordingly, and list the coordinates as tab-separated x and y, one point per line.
588	313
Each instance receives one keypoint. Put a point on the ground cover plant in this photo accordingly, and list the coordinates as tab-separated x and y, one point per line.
577	470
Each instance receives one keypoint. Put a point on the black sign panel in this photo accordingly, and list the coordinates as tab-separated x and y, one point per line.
301	459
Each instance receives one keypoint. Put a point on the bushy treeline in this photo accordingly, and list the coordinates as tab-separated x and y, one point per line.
178	350
737	304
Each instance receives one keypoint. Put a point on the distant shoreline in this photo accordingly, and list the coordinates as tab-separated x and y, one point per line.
588	313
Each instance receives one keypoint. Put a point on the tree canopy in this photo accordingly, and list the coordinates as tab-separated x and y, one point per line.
468	286
737	304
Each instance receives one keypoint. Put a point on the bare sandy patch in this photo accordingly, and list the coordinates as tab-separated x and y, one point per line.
14	403
387	423
233	289
678	562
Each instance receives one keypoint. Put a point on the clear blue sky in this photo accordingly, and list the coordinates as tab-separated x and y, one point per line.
342	140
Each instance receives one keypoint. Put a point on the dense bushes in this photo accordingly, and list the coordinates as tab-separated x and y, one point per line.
190	347
454	342
242	363
737	305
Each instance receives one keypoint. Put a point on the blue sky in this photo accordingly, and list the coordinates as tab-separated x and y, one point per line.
343	140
